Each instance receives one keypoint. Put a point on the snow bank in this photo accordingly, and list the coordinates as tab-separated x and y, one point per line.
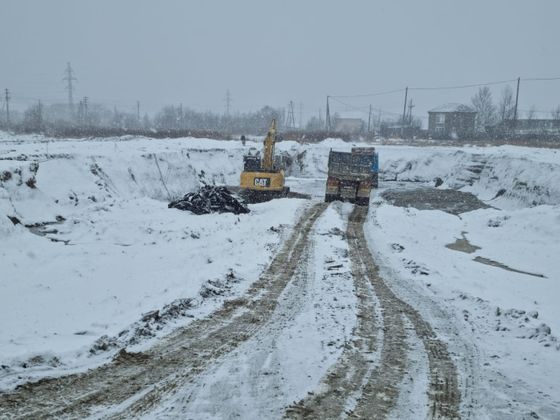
520	176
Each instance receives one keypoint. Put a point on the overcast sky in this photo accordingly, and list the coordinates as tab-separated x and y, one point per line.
264	52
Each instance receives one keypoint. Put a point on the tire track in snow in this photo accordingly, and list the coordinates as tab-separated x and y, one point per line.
252	371
346	379
380	387
443	390
135	382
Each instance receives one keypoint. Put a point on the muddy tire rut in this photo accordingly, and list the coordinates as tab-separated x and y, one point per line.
134	383
358	385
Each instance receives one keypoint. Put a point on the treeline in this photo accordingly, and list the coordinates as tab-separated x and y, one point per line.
502	116
170	121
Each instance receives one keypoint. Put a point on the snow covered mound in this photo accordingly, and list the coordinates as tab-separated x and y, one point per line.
512	176
210	199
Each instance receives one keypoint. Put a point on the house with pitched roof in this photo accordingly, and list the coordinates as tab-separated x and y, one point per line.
451	121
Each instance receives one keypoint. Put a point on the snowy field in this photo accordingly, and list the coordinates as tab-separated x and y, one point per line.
102	251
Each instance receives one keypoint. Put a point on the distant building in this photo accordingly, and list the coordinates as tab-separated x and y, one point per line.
397	130
349	125
451	121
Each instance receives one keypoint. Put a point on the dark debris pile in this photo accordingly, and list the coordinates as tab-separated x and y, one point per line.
210	199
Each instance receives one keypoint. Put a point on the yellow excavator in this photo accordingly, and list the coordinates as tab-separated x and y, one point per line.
262	179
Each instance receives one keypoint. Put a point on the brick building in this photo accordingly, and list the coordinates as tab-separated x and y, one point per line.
451	121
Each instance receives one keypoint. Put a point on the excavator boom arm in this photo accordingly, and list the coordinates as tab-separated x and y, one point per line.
268	158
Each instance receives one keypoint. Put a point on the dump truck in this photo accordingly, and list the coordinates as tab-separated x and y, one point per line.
263	179
352	175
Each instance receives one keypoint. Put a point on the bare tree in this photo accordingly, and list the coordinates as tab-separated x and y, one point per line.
507	104
315	124
33	117
485	108
555	113
531	112
146	123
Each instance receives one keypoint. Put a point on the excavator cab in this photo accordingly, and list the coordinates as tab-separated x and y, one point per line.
251	163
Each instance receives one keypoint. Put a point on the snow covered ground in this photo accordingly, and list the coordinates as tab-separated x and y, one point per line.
121	253
293	351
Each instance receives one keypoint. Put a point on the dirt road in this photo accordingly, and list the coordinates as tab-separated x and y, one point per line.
378	373
363	387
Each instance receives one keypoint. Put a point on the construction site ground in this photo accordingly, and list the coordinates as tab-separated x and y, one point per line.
344	314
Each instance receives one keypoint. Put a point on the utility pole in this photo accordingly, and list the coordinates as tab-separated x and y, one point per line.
7	92
85	100
369	120
69	78
328	117
228	102
516	101
301	115
80	112
410	106
404	111
404	107
291	122
138	110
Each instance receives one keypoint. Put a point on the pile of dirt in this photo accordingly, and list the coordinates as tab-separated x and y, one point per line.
210	199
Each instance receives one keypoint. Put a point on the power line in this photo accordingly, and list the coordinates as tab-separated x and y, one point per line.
363	108
464	86
379	111
501	82
367	95
534	79
354	107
